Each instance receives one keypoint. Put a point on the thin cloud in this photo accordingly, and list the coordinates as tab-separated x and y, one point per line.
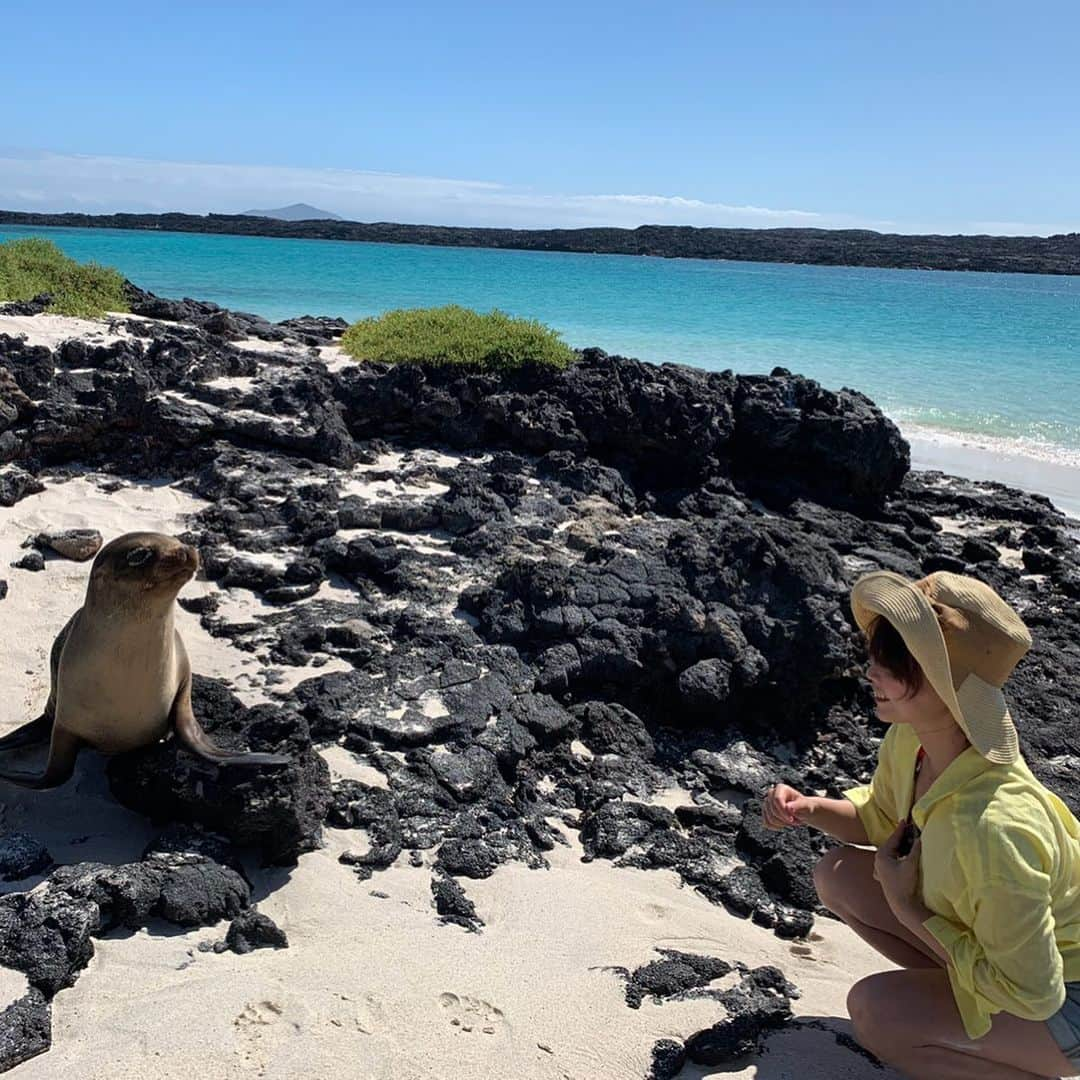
45	181
42	181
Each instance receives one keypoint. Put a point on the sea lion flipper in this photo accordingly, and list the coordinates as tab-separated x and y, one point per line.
191	734
63	750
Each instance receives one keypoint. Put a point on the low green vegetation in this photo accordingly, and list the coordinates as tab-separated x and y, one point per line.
35	265
456	335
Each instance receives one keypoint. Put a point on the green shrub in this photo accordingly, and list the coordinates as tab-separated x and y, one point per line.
36	265
456	335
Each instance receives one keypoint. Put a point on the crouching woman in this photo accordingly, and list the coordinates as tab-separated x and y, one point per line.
974	887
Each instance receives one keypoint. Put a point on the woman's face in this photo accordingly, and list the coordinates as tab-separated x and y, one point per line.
894	702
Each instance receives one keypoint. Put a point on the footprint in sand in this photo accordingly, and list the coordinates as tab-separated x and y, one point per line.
258	1014
654	912
804	951
365	1013
473	1014
251	1028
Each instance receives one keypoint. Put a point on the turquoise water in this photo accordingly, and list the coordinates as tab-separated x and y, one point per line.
992	355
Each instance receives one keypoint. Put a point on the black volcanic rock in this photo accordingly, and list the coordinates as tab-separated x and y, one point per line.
978	550
610	728
662	621
759	1005
22	855
15	484
452	904
34	306
25	1029
672	976
182	888
15	406
32	368
668	1058
276	809
252	930
783	435
314	330
46	934
360	806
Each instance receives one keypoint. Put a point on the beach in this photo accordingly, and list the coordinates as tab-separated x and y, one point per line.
377	590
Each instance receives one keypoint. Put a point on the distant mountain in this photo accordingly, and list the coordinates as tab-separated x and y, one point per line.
297	212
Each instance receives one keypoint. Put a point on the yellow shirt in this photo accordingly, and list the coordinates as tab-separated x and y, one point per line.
1000	870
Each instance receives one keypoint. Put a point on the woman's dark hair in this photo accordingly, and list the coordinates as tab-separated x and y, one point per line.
887	647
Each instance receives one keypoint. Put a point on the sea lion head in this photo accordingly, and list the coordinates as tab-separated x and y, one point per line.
140	568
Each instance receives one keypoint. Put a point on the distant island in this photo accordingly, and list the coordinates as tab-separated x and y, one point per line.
300	211
825	247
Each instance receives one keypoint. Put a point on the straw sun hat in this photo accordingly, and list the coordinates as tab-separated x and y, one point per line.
967	641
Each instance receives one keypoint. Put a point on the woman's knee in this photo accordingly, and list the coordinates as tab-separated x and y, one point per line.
844	879
869	1006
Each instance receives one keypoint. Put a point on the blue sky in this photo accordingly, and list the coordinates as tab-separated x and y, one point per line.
950	116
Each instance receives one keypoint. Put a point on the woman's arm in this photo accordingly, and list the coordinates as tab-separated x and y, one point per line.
784	806
836	817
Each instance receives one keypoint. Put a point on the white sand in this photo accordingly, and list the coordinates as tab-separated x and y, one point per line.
270	348
54	330
373	987
370	987
335	358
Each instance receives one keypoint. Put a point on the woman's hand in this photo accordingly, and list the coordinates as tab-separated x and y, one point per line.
784	807
898	875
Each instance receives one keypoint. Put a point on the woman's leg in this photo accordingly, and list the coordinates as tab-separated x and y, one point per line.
910	1020
845	883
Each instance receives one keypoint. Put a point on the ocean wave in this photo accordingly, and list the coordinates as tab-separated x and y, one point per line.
1032	448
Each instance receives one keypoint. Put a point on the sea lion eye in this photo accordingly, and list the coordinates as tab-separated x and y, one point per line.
139	556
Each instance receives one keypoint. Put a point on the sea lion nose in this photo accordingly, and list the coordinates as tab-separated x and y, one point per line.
181	557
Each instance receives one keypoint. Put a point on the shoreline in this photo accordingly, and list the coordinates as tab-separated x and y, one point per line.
973	457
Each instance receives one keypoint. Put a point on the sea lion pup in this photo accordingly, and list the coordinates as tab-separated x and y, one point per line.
121	677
